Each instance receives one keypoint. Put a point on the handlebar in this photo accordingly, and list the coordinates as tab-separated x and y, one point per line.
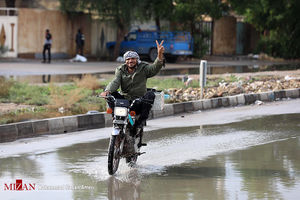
111	98
107	97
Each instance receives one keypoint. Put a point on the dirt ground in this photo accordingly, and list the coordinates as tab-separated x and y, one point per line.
290	73
10	107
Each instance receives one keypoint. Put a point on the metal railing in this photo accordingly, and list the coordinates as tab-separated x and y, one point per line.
8	12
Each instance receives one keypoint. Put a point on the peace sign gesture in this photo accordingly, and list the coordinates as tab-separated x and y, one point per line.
160	50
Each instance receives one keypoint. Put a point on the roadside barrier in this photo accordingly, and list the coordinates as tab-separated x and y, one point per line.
35	128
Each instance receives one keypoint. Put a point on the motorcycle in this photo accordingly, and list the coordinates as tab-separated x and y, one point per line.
123	143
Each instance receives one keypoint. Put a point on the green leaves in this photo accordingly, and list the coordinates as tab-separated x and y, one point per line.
278	20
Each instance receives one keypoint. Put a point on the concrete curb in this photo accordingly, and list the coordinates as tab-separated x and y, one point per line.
12	132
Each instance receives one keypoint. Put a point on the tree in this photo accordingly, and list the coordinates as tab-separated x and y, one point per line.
189	12
277	20
155	9
119	11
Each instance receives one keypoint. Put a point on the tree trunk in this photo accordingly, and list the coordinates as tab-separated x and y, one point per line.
192	27
266	33
157	22
120	36
212	36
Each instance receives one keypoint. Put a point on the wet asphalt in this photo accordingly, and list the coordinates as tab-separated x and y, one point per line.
248	152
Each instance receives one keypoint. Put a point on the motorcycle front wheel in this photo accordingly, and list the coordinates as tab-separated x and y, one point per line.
114	154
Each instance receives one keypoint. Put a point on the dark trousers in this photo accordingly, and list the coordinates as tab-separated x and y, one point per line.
79	49
141	106
47	47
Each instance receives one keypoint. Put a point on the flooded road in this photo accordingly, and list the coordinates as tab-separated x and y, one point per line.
257	158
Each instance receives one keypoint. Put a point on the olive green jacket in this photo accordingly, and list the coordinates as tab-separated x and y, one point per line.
134	85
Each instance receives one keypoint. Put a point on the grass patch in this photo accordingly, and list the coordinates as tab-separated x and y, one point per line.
167	83
161	84
28	94
50	100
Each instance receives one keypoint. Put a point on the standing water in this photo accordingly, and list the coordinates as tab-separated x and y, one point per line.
251	159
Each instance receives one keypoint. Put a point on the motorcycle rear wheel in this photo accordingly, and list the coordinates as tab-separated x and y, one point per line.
114	154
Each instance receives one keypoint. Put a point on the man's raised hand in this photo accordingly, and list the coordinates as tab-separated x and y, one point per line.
160	50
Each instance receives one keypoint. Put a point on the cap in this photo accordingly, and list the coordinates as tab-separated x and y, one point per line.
131	54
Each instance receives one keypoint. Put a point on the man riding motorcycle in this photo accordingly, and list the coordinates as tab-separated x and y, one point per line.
132	77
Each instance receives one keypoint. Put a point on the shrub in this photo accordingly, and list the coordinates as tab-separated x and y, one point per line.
88	82
269	46
65	98
280	44
5	86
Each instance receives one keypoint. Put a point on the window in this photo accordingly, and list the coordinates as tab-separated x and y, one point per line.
132	37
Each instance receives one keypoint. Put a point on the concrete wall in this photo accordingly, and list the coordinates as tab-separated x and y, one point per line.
32	24
224	36
101	32
83	22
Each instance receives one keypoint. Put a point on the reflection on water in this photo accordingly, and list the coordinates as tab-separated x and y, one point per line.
125	189
47	78
230	69
253	159
12	167
264	168
203	180
61	78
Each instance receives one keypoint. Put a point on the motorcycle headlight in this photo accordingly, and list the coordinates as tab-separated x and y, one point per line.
120	111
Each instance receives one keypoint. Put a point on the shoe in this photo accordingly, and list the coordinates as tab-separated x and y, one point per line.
141	144
43	61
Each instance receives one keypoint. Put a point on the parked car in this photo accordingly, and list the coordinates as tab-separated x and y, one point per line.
177	43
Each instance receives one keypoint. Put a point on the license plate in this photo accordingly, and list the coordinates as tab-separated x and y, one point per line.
115	131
